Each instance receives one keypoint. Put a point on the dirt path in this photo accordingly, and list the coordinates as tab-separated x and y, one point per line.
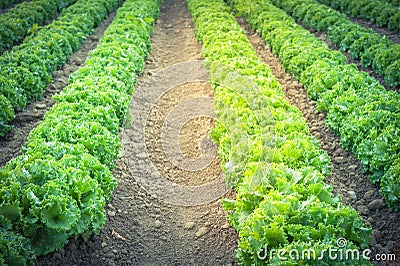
28	119
164	224
346	177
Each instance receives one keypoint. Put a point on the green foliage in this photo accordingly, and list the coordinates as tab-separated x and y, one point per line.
27	69
6	114
383	12
265	146
358	108
361	43
392	74
390	185
8	3
58	188
14	248
21	19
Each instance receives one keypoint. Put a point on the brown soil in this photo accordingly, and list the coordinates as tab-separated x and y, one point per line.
188	136
346	177
147	223
26	120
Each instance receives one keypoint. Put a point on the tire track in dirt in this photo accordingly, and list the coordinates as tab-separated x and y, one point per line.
346	176
143	229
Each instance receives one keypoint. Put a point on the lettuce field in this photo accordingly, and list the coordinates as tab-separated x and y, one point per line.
199	132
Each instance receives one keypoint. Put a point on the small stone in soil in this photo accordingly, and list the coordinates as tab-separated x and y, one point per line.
339	159
363	210
110	255
57	256
352	194
376	204
226	226
202	231
157	223
111	263
40	106
189	225
352	167
368	194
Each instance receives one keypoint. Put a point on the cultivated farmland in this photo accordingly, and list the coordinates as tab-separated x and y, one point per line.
199	132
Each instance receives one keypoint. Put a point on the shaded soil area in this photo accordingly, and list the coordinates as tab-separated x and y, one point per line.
142	227
26	120
190	135
346	176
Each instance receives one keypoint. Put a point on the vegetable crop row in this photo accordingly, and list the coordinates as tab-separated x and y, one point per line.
374	51
268	153
19	20
393	2
359	109
58	188
384	14
8	3
26	70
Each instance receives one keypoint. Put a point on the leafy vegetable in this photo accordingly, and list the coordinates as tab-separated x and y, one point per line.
358	108
58	188
265	146
361	43
22	18
27	69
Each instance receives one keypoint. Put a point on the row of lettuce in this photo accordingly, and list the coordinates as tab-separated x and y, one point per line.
359	109
58	188
19	20
385	13
27	69
268	155
9	3
369	47
393	2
